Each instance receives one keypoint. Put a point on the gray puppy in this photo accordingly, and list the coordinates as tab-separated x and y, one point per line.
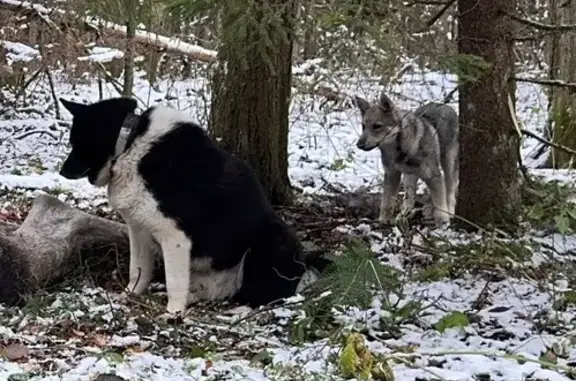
421	144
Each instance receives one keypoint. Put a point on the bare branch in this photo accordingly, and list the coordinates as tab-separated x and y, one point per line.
437	16
548	142
424	2
539	25
547	82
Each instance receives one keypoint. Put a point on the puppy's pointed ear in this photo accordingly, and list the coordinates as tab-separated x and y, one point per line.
73	107
385	103
362	104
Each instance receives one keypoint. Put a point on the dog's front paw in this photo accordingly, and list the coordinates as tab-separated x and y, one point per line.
442	219
171	318
176	306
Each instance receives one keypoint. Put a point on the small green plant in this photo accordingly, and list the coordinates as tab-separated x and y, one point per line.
550	205
454	319
355	279
355	275
357	361
486	255
564	300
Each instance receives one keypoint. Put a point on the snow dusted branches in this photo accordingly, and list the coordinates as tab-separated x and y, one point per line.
436	17
539	25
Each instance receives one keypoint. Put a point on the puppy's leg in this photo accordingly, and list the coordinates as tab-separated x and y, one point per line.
141	258
436	185
451	174
390	190
176	249
410	182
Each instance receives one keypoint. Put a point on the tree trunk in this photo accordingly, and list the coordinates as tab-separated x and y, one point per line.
563	107
129	53
553	56
251	97
489	191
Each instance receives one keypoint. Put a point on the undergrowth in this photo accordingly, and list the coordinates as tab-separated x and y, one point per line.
550	205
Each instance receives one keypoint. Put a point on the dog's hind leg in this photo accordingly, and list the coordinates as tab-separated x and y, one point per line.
176	251
451	174
437	186
410	182
141	258
390	189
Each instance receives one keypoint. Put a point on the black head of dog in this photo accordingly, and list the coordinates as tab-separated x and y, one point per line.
93	136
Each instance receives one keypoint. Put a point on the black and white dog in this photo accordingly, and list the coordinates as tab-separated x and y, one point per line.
171	183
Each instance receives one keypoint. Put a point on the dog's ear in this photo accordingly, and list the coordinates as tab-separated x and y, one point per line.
385	103
125	105
362	104
73	107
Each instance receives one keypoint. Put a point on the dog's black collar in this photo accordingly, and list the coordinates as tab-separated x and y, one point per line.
130	121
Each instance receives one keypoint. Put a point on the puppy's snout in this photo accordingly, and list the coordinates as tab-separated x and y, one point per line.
361	143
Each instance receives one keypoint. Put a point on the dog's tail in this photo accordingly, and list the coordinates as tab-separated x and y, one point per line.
316	260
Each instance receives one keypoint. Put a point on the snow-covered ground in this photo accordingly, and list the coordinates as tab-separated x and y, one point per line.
78	337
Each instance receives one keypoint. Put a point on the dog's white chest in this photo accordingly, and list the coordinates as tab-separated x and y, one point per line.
125	188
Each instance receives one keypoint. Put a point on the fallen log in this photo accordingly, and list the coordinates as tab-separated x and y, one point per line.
60	19
56	243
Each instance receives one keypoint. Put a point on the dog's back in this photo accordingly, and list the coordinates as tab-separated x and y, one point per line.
444	120
217	200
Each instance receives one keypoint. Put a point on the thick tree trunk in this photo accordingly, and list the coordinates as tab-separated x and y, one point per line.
489	191
563	108
250	103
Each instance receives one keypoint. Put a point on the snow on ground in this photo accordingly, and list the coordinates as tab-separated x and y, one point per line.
76	338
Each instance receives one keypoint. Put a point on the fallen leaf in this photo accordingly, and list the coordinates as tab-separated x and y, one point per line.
15	352
98	340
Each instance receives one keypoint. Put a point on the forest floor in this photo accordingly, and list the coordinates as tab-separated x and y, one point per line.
454	306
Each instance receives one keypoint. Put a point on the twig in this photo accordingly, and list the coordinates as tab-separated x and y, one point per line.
448	98
518	129
539	25
548	142
53	92
264	309
22	90
26	134
546	82
431	2
437	16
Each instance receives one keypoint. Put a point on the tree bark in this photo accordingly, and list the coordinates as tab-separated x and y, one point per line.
563	102
489	191
251	97
129	53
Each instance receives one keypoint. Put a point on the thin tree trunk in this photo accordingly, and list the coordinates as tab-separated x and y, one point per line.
251	98
489	191
553	56
129	53
563	108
